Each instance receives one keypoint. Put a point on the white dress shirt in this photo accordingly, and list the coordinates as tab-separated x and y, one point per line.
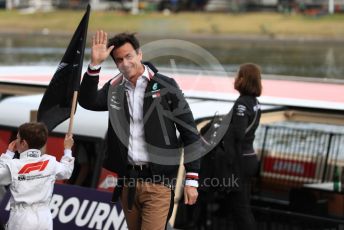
137	151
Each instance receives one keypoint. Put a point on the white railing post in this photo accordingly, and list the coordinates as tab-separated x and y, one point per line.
135	7
330	6
9	4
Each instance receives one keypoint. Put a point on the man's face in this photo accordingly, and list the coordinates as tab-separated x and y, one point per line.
128	61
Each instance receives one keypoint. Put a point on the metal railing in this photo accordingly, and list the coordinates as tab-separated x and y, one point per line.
294	156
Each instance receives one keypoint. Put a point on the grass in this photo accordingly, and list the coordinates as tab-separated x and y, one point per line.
258	24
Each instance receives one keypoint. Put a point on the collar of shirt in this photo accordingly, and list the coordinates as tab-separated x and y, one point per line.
34	153
145	75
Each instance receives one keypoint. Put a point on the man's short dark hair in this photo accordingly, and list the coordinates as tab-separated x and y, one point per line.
122	38
34	133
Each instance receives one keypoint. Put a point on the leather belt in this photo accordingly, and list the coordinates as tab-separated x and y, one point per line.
138	167
135	172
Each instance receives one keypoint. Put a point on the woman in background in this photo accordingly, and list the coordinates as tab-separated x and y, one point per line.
238	144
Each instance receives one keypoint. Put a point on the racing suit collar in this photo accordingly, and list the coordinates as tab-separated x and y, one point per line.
30	153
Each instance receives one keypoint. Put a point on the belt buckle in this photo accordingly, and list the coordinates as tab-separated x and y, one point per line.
137	167
140	167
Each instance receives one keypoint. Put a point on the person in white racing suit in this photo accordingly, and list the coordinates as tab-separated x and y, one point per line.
31	178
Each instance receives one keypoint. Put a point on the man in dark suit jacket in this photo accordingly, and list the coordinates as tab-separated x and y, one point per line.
146	109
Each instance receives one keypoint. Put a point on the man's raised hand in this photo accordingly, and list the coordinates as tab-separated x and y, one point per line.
99	50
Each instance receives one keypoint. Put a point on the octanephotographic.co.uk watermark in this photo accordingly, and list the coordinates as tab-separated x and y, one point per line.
228	183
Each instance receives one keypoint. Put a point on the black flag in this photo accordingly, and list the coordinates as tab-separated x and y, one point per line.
56	103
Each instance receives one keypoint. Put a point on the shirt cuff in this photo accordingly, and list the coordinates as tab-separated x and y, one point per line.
191	179
94	67
93	70
68	153
191	176
193	183
9	154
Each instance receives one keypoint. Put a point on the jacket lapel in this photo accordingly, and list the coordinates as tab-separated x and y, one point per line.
119	112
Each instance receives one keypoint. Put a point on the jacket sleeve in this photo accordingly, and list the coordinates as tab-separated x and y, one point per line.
5	172
90	97
65	166
189	134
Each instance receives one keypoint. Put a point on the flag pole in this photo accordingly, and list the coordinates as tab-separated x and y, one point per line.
76	89
72	111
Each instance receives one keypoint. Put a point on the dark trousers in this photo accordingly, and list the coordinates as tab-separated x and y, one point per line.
239	201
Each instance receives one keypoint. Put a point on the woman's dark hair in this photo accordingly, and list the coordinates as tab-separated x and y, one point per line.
122	38
248	81
34	133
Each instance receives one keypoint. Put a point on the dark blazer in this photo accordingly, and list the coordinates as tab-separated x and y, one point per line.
165	111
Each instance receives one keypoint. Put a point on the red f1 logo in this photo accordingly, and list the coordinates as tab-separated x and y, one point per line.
40	166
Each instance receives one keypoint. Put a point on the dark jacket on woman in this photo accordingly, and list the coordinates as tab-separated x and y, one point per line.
238	141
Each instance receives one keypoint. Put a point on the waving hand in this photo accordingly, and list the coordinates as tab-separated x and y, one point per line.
99	50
